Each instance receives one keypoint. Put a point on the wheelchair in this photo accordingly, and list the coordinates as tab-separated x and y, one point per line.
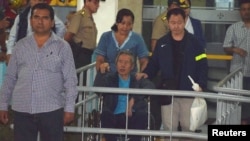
93	120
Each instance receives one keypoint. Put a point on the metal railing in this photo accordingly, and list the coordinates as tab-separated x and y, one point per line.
228	109
229	112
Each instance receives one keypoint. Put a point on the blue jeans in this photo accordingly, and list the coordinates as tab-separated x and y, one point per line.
49	125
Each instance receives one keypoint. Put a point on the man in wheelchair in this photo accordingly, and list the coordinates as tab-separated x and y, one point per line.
115	107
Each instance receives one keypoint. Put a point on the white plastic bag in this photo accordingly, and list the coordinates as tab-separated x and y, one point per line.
198	113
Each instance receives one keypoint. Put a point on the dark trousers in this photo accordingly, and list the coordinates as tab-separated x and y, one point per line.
137	121
83	58
246	83
155	105
245	106
27	126
155	109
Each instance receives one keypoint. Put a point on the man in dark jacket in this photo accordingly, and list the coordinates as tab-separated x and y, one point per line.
115	106
177	55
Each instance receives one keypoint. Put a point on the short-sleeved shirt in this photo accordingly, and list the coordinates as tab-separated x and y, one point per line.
160	27
83	26
238	35
108	47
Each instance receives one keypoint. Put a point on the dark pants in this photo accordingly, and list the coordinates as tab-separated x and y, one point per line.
245	106
246	83
137	121
83	58
155	105
155	109
27	126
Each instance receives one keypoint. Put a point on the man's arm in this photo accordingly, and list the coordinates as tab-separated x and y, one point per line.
73	27
2	45
232	50
68	36
159	29
99	61
143	63
153	44
130	107
229	43
9	83
4	23
69	78
70	84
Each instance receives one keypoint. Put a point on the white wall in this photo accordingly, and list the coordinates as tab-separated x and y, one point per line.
105	16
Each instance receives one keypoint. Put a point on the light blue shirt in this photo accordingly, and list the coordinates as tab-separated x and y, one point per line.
60	31
122	99
40	79
108	47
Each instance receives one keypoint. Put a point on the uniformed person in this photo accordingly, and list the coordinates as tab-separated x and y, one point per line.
193	26
160	27
82	33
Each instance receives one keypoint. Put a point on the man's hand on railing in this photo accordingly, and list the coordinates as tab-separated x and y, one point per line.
104	67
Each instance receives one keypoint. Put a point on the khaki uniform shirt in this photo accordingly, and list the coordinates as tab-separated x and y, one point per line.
160	27
84	28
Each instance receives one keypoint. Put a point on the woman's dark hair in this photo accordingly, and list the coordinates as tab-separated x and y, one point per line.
43	6
121	13
176	11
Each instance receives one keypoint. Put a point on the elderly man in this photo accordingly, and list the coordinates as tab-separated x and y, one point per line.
115	106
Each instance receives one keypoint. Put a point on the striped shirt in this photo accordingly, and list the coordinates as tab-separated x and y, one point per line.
40	79
238	35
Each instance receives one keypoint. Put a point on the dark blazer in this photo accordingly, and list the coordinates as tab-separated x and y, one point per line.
198	33
194	62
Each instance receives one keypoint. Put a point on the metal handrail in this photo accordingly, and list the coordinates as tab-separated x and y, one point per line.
165	92
220	97
219	87
84	68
